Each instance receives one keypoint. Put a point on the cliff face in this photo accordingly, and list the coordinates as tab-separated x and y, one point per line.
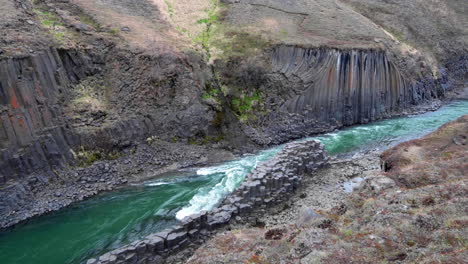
345	87
32	128
316	90
63	110
45	116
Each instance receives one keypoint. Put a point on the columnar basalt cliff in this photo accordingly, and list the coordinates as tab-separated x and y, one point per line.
320	89
270	183
33	133
41	124
46	121
345	87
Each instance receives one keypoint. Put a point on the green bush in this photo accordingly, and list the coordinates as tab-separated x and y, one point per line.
114	31
211	93
244	106
86	157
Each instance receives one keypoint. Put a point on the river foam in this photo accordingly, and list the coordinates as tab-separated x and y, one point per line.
230	176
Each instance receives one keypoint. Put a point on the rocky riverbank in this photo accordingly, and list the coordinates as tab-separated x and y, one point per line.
412	212
326	189
35	195
272	182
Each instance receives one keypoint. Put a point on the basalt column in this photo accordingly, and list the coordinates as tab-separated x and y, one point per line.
345	87
311	91
32	134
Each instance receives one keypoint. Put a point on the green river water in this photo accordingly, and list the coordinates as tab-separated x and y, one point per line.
110	220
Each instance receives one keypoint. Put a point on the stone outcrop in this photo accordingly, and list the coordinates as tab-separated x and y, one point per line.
270	183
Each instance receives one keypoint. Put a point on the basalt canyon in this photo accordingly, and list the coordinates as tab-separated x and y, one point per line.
233	131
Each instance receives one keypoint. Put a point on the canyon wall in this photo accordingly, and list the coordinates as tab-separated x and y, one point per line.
345	87
316	90
32	129
65	109
41	124
306	91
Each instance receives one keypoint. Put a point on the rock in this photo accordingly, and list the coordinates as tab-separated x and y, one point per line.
163	234
244	208
377	184
140	248
174	238
125	28
307	217
194	234
82	27
460	140
30	22
131	258
108	258
155	243
92	261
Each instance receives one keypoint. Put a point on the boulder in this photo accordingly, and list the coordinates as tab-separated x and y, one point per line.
155	243
174	238
307	217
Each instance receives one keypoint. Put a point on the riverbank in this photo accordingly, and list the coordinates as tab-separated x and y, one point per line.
325	189
412	212
35	196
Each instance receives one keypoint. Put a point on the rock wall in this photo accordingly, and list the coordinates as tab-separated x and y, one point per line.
54	102
32	129
344	86
316	90
147	95
270	183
